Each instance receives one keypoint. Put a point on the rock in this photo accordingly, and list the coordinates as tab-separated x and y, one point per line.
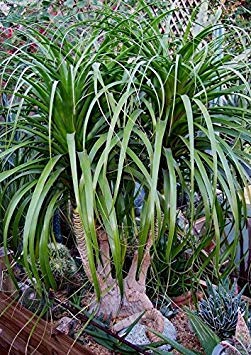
138	335
64	325
169	332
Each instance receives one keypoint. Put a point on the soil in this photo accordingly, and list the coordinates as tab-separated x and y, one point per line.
96	348
185	336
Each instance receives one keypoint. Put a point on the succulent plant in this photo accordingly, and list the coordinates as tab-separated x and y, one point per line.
220	309
62	264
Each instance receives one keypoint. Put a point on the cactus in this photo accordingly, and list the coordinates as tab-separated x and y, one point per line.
220	309
62	265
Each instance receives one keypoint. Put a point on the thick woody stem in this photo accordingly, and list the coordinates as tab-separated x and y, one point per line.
81	242
135	300
133	268
104	268
145	262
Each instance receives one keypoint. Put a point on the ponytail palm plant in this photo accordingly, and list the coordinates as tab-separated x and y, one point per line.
106	103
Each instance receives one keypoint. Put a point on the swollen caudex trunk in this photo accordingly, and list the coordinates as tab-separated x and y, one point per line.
125	311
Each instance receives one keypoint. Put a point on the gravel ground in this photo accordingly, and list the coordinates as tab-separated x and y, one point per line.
185	336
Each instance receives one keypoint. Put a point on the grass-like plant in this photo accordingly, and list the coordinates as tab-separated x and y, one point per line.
103	104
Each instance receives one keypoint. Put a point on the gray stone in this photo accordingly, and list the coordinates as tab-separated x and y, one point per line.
138	335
